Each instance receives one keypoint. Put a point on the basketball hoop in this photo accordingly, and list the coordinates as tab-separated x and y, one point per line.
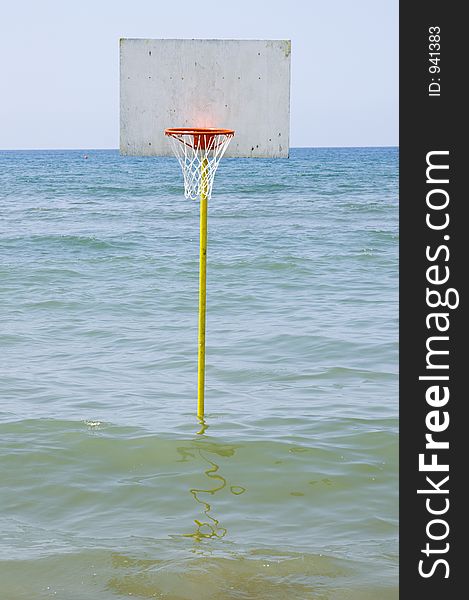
199	151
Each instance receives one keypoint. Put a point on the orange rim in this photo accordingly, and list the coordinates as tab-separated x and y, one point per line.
202	138
209	131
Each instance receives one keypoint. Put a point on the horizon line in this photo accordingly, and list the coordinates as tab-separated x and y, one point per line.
89	149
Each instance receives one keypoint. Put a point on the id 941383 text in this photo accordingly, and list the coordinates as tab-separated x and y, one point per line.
434	56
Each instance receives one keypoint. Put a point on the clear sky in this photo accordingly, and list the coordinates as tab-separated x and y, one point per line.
60	65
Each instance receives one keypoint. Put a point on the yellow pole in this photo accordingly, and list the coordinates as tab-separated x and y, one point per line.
202	290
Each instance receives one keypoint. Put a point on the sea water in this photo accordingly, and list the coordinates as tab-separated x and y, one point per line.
109	487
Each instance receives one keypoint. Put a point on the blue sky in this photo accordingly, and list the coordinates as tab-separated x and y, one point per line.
60	64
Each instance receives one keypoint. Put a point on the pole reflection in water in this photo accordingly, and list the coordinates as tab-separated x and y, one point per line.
209	526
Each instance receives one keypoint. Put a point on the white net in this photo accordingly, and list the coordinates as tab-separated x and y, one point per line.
199	155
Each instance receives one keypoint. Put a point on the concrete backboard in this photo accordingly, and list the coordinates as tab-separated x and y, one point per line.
235	84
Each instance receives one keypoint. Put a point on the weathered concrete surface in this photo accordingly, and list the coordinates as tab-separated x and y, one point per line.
235	84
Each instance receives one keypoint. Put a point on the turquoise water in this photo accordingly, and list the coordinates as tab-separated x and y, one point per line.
108	490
